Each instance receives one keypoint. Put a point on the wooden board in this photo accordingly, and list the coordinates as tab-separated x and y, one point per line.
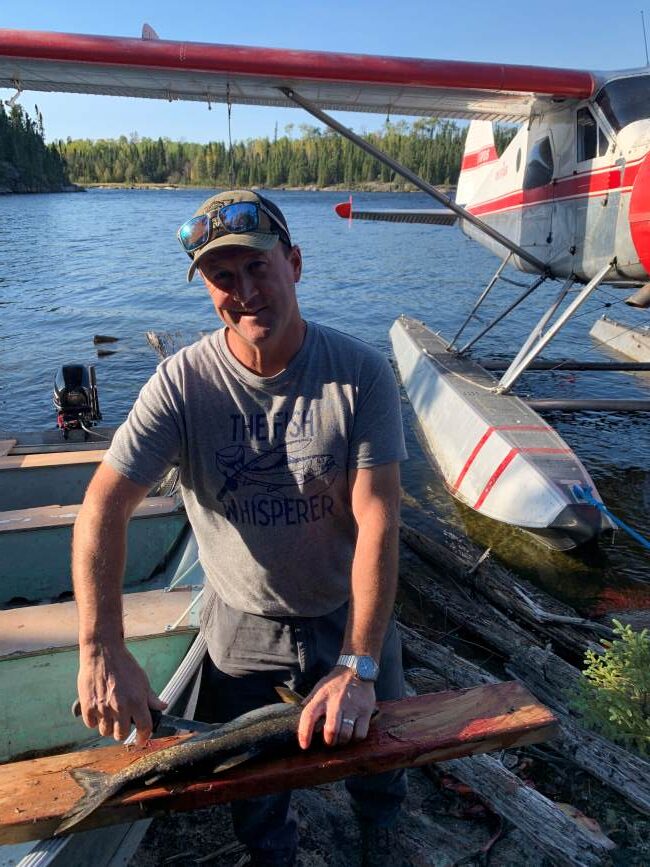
52	459
37	628
65	516
34	795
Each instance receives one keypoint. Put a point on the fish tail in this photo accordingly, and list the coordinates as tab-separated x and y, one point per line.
289	696
97	788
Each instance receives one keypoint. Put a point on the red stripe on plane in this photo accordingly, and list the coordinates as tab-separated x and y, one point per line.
589	184
486	436
479	158
512	454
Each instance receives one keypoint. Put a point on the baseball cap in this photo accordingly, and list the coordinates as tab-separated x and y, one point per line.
269	227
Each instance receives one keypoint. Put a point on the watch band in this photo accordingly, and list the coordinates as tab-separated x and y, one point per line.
364	667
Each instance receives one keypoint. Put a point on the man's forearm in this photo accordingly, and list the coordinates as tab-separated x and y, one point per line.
98	559
373	583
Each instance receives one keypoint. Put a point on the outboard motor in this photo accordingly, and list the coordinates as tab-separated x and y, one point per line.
75	398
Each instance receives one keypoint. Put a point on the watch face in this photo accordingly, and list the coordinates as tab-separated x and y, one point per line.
365	668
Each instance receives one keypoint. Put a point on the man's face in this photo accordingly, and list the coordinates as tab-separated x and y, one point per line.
253	291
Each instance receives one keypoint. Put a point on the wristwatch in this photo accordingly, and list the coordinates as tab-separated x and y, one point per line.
364	667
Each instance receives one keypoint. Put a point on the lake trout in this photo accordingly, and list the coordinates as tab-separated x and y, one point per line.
253	734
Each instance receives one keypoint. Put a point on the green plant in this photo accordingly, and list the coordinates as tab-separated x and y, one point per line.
614	693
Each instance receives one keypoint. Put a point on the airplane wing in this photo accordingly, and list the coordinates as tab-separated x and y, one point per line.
164	69
434	216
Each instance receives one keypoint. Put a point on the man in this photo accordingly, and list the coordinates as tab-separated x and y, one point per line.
288	437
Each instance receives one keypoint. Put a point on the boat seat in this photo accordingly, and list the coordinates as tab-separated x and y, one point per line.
40	517
50	459
35	547
37	628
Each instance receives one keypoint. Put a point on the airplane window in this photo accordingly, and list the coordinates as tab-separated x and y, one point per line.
603	143
625	100
587	135
539	169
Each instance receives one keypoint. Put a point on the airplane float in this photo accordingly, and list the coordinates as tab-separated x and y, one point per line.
569	201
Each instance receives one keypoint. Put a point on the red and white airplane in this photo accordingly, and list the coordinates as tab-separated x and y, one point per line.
572	189
569	199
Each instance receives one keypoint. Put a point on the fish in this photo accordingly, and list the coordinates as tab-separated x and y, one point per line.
248	736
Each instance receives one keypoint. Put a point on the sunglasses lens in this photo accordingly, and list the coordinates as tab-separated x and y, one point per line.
195	232
240	217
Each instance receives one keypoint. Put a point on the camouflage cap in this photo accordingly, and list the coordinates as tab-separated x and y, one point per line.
265	238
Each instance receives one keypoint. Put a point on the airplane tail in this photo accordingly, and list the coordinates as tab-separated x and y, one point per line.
478	160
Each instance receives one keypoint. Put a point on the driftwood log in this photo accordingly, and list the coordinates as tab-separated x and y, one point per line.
552	830
551	620
552	679
549	678
544	823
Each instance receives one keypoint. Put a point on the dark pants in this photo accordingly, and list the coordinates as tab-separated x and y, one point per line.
249	656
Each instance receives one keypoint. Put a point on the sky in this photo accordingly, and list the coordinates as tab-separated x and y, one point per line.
567	33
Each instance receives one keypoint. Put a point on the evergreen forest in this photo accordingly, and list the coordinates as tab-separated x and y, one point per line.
27	164
306	157
313	158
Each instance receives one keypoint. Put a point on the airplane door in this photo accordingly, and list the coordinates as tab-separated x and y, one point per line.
594	195
537	209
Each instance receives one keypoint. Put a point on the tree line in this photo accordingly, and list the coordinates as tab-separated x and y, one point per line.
430	147
304	157
27	164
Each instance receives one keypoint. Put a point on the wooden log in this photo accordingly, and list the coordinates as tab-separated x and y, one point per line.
459	606
542	821
551	679
558	623
456	671
34	795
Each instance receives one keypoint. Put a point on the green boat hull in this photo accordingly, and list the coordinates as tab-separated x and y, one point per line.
38	691
35	564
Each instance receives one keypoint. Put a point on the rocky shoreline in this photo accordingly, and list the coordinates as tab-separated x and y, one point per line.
370	187
18	186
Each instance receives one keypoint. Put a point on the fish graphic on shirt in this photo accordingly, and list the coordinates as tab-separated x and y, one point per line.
276	470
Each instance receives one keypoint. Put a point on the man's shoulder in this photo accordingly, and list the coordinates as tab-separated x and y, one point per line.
350	347
190	357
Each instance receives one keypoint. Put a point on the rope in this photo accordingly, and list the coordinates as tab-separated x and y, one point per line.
583	494
176	581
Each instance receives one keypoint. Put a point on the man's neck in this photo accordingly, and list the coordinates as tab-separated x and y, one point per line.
266	360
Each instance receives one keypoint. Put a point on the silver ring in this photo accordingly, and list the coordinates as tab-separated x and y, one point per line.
348	722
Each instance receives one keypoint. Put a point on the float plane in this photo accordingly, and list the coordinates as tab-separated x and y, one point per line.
568	201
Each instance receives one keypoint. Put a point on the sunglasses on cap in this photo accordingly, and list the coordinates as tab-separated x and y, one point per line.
234	219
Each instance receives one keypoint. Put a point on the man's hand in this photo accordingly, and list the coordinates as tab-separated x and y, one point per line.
114	692
345	702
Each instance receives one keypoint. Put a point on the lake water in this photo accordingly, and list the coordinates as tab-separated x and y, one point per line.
107	262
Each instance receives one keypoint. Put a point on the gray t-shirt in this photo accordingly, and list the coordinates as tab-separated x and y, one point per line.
264	462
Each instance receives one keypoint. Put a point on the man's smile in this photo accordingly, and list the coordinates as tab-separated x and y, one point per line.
234	312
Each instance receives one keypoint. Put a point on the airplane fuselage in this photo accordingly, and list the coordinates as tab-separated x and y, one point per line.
573	186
